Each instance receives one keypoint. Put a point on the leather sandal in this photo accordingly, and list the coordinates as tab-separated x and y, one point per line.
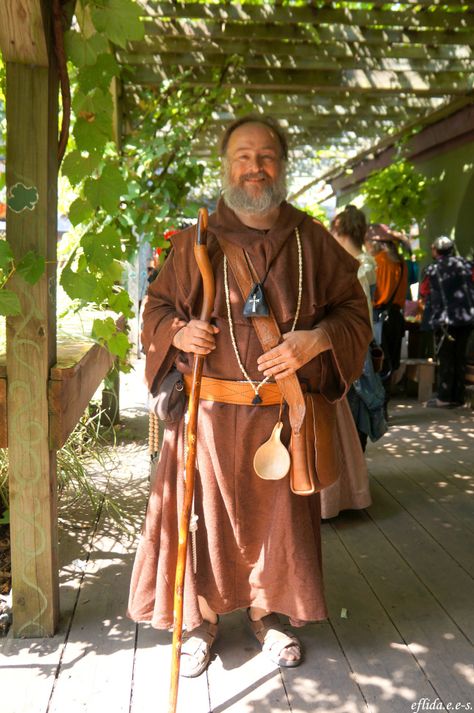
196	649
275	640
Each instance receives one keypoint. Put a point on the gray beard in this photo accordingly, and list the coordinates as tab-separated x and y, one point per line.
237	199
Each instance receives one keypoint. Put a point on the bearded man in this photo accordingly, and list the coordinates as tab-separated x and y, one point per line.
258	545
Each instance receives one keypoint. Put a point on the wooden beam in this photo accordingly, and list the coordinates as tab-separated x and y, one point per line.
358	81
311	102
312	61
308	14
31	176
23	36
71	387
162	44
296	33
452	130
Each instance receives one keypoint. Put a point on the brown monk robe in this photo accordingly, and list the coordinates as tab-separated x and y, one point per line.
258	544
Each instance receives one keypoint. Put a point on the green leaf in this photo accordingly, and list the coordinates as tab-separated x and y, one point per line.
9	303
93	103
99	74
91	136
80	211
114	271
103	329
103	247
121	303
83	50
119	20
6	255
5	519
31	267
76	166
78	285
106	190
118	344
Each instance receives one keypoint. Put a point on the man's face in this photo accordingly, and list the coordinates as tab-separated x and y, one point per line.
253	176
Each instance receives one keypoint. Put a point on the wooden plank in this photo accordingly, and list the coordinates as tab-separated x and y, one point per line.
342	33
311	60
70	389
325	681
301	50
457	123
96	670
152	670
441	524
3	414
381	81
241	678
428	631
431	562
380	662
30	666
31	174
22	32
268	13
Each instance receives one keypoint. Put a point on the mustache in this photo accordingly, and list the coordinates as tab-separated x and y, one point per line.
253	176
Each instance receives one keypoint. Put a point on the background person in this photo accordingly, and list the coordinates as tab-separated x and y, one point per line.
447	291
360	415
389	298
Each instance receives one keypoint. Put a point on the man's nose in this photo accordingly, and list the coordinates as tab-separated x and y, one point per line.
255	163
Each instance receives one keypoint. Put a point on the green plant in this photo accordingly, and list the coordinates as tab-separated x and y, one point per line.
317	212
87	450
119	194
397	195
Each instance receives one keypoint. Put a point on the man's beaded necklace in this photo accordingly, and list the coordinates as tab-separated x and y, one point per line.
256	386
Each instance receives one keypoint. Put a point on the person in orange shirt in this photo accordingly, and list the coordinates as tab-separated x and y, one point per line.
389	297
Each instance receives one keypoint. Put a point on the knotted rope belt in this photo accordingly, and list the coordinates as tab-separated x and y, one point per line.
234	392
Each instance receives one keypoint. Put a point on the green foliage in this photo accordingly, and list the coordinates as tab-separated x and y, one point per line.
31	267
124	193
317	212
397	195
87	450
140	190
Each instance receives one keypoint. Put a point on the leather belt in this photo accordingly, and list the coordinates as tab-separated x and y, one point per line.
234	392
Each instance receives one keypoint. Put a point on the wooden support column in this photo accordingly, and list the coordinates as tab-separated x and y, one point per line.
31	174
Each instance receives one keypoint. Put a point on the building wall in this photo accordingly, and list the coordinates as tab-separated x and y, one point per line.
451	203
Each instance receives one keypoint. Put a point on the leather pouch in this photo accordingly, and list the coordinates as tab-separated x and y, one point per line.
169	403
313	451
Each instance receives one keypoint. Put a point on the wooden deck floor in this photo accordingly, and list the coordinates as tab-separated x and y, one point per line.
400	587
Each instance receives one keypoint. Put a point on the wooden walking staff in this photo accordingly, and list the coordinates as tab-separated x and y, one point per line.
204	264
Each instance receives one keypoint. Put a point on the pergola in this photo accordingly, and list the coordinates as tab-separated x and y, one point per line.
336	74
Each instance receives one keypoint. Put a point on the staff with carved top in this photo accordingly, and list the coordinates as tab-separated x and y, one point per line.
205	268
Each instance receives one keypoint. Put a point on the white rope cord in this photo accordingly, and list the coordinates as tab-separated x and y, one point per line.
256	386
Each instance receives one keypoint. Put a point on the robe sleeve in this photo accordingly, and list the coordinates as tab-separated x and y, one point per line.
161	321
347	326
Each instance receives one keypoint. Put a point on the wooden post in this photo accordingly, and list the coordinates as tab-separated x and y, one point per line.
31	175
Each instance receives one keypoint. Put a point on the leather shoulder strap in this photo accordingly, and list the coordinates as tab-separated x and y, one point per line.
268	332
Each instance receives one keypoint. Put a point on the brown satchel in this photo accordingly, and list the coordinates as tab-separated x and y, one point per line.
312	418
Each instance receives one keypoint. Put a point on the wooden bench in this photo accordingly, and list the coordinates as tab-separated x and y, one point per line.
422	371
74	379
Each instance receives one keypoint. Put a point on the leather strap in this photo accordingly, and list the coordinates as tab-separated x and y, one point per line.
267	331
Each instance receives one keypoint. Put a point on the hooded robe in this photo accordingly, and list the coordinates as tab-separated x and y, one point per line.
257	543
